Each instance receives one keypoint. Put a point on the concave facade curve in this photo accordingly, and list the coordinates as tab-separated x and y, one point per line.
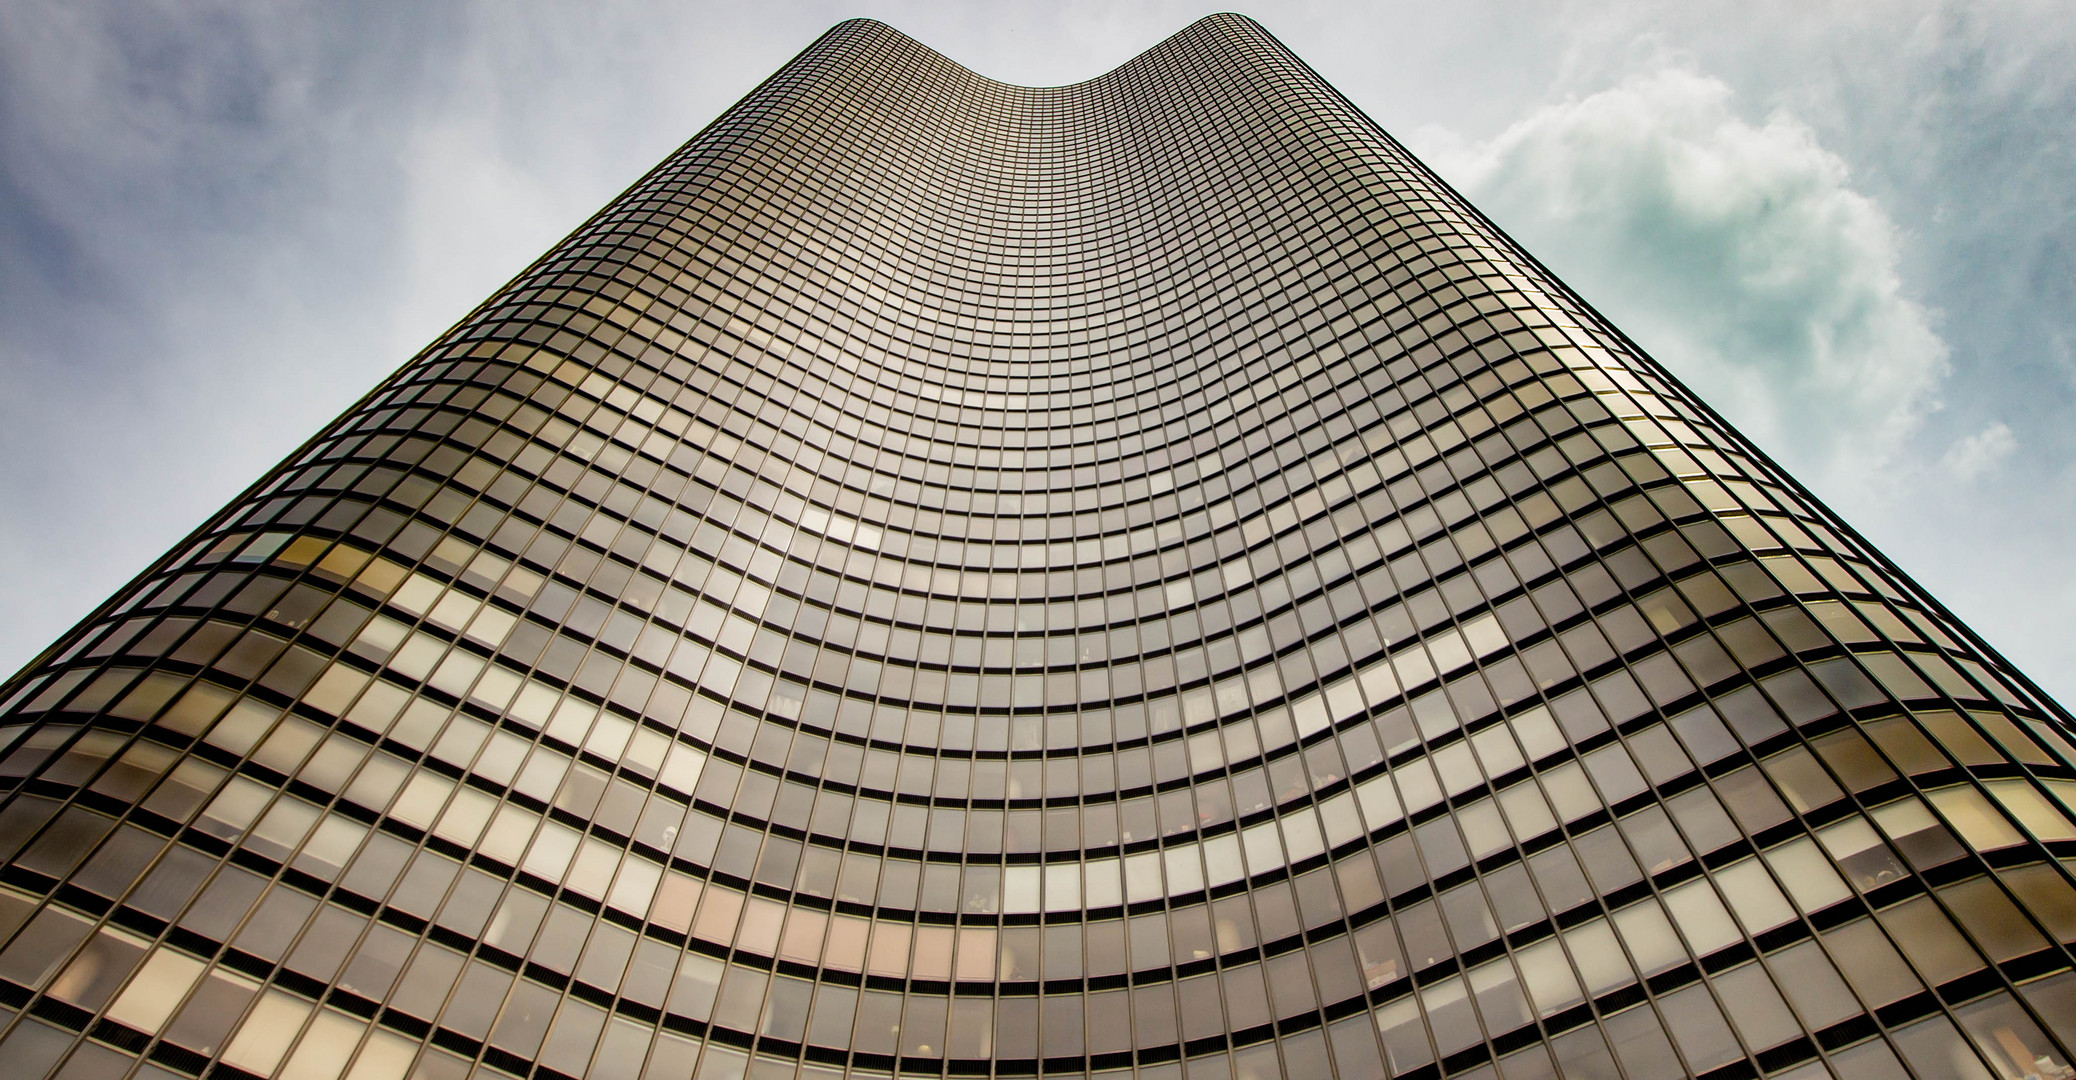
950	578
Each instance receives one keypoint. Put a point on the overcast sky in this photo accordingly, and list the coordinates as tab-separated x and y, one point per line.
1848	227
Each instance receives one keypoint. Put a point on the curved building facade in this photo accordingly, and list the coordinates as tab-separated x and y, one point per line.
950	578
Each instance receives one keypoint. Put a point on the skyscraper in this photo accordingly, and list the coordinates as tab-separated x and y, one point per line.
948	578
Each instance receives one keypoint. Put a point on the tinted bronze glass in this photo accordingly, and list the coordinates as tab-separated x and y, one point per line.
948	578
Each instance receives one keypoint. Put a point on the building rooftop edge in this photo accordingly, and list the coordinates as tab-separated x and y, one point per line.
1217	18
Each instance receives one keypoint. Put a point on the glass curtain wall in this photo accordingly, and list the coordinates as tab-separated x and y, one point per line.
950	578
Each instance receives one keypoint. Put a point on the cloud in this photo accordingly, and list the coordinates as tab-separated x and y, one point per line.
1972	457
1736	253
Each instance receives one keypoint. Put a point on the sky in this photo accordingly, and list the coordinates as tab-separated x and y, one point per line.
1849	227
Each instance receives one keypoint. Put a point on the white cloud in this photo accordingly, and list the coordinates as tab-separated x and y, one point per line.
1738	254
1974	456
